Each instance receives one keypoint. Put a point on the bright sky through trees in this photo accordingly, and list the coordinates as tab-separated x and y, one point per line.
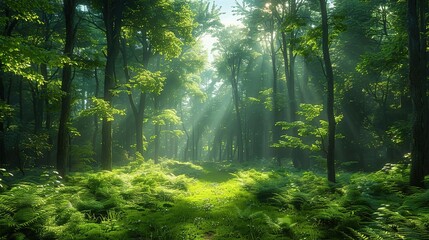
227	18
227	7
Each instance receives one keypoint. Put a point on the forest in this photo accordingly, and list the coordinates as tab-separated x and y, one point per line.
156	119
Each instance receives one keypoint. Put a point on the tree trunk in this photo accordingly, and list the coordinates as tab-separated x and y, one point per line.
95	119
38	109
2	128
139	123
277	113
157	131
417	80
423	67
48	122
63	129
289	65
296	154
112	17
234	81
330	88
138	111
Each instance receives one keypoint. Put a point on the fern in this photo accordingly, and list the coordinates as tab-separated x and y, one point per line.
5	208
418	201
257	223
356	235
380	233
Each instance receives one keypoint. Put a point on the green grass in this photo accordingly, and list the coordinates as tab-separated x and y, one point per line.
176	200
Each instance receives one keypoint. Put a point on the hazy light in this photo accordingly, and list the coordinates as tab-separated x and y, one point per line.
267	8
82	8
227	18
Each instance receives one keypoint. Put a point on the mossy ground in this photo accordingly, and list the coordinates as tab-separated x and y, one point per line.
176	200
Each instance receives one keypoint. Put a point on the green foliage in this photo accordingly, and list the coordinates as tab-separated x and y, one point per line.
18	56
34	146
207	16
6	111
165	25
265	96
25	11
312	133
167	116
4	173
103	109
176	200
146	81
82	156
52	178
183	168
398	132
194	89
22	211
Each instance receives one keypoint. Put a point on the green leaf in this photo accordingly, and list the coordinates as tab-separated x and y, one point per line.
167	116
147	81
103	109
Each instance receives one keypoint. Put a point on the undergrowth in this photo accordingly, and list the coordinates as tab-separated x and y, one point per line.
176	200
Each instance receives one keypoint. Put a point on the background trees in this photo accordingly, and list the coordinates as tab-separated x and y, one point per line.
162	97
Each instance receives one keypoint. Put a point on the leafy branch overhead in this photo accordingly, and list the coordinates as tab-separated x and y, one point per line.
102	109
167	116
312	130
18	57
145	81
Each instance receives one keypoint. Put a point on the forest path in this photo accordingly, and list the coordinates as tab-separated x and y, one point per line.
215	198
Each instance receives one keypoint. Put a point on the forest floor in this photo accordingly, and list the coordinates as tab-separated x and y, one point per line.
176	200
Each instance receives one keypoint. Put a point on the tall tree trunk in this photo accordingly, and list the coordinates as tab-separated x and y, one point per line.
296	154
95	118
38	109
424	68
289	65
63	129
234	81
418	87
139	123
157	131
330	87
2	128
112	17
277	113
48	123
287	43
138	110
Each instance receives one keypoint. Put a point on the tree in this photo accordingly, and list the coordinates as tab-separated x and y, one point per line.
18	55
290	21
283	22
233	53
9	26
330	92
63	129
112	17
417	37
262	21
158	29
